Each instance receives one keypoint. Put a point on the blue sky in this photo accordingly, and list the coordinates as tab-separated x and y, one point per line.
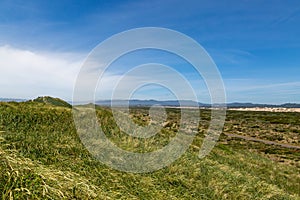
255	44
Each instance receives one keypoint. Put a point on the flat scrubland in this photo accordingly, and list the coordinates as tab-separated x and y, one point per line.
42	157
268	109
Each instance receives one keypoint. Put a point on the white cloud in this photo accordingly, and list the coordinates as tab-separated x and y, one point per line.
27	74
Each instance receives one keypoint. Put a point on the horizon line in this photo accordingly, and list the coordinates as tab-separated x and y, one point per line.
91	101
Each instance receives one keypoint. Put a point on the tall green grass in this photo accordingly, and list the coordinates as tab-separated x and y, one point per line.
41	157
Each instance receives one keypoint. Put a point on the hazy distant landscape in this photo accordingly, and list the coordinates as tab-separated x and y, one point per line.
176	103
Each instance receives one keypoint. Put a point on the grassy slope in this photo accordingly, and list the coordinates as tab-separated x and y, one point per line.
41	157
52	101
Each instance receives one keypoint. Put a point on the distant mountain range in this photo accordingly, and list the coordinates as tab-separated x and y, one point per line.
136	102
171	103
252	105
188	103
11	99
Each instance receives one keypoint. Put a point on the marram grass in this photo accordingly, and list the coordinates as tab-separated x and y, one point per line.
41	157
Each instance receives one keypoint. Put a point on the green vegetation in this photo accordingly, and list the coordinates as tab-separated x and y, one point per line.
41	157
52	101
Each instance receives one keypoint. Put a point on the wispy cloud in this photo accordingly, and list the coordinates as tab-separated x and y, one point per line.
26	74
231	56
262	91
151	81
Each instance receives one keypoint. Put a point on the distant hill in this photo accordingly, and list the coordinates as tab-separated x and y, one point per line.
290	105
11	100
248	105
52	101
252	105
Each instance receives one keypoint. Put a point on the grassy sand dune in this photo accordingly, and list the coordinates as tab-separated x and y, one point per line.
41	157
